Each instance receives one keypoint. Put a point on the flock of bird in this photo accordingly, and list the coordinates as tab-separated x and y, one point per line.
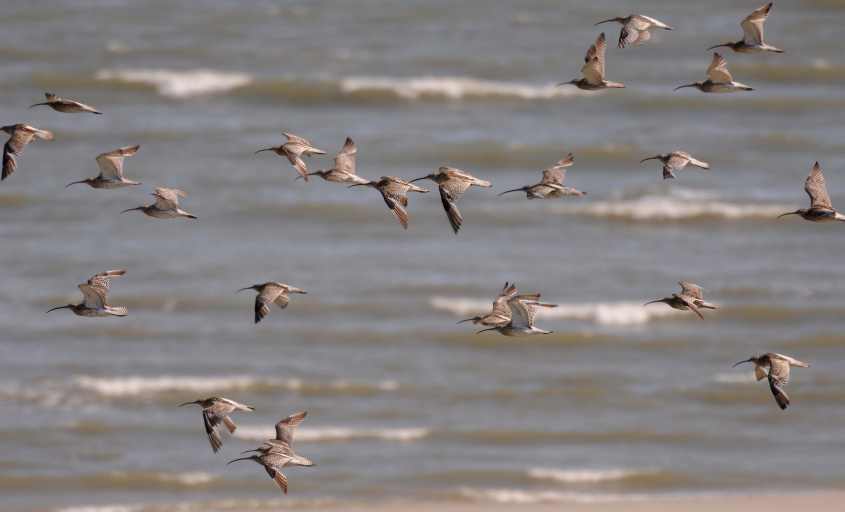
512	313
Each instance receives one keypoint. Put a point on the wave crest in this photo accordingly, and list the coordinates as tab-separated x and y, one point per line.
316	434
178	84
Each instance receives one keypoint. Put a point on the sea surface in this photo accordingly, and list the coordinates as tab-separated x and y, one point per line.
622	402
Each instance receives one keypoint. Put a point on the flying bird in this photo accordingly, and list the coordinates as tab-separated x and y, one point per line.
676	161
820	210
394	191
593	69
500	314
95	294
65	105
551	186
20	136
778	374
635	28
214	411
271	293
111	170
294	149
719	79
523	311
344	170
275	454
691	298
452	184
752	28
166	205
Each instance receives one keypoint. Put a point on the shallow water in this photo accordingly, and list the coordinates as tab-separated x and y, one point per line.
621	402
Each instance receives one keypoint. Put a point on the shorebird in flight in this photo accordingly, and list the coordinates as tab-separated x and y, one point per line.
166	205
66	105
691	298
278	453
635	28
778	374
719	79
551	186
676	161
271	293
452	184
752	27
523	310
95	294
214	411
344	170
593	69
395	193
820	210
500	314
294	149
20	136
111	170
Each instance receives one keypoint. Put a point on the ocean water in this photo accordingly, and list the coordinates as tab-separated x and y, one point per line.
622	402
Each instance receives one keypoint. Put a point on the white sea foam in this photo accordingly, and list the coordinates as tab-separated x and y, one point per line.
101	508
526	497
454	88
179	84
604	313
315	434
581	476
655	208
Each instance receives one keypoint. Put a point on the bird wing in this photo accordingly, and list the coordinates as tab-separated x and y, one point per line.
111	163
21	136
296	139
394	191
449	200
344	161
817	189
270	294
280	479
677	160
210	422
642	22
593	69
522	312
791	360
690	303
286	427
553	176
778	379
691	290
93	297
753	24
168	198
631	35
718	70
103	279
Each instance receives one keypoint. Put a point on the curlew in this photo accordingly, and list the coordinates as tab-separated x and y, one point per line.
820	210
271	293
294	149
66	105
778	374
593	69
111	170
719	79
691	298
752	28
214	411
635	28
523	310
500	314
395	193
278	453
452	184
551	186
166	205
95	295
344	170
676	161
19	136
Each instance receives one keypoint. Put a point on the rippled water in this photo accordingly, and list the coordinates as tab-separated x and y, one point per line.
621	402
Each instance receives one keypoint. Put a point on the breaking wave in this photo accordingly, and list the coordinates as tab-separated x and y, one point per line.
316	434
178	84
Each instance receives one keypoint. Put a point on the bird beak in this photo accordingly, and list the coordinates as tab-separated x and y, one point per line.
466	320
75	182
265	149
649	158
741	362
605	21
247	288
561	84
653	301
59	307
512	190
787	213
367	184
132	209
242	458
195	402
38	104
418	179
485	330
718	46
682	86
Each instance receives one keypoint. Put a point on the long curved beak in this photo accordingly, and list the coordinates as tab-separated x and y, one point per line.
38	105
241	458
605	21
465	320
244	289
59	307
485	330
741	362
718	46
649	158
654	301
521	189
361	184
561	84
418	179
787	213
133	209
195	402
74	183
265	149
249	451
682	86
